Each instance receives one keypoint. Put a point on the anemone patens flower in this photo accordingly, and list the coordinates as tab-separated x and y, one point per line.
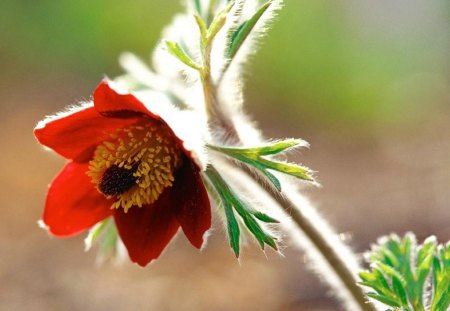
130	161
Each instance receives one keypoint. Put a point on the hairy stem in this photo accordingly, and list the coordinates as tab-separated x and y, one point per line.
215	114
329	251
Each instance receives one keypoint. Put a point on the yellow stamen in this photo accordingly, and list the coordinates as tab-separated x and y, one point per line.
135	164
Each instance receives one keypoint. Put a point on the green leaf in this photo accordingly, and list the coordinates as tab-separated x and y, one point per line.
198	6
254	157
176	50
380	282
265	218
383	299
271	177
233	228
401	270
109	242
399	288
105	235
269	149
249	209
242	32
425	260
281	146
202	27
250	216
441	279
252	224
218	22
390	272
298	171
232	224
95	232
367	276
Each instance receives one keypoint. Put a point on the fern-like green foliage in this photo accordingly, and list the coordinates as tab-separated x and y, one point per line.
232	202
407	276
257	157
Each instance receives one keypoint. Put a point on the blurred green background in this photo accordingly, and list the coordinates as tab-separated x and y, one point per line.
367	83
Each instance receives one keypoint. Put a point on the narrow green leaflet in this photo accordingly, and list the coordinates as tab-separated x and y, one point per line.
269	149
286	168
176	50
94	233
108	245
401	272
198	6
232	202
242	32
209	30
271	177
441	278
105	235
384	299
218	22
202	27
254	157
232	227
232	224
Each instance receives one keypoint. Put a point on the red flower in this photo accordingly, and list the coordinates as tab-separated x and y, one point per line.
125	162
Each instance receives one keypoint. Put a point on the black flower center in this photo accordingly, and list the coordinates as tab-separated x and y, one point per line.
117	180
135	164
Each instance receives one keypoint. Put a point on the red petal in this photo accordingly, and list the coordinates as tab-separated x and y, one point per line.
76	135
109	102
146	231
73	204
193	206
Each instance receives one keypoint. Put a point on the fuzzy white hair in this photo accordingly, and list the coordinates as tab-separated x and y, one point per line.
228	74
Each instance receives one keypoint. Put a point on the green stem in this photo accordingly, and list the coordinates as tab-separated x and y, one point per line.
209	91
329	252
